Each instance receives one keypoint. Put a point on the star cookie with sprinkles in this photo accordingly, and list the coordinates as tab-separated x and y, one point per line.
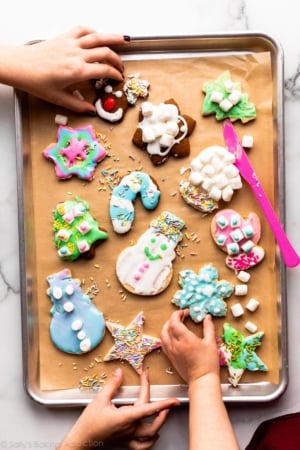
76	152
131	344
238	353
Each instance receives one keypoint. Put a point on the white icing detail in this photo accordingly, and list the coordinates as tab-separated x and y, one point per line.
85	345
69	289
81	335
118	94
108	89
68	306
110	116
76	325
57	293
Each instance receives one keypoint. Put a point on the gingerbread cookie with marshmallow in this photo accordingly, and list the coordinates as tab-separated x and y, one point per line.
146	267
163	131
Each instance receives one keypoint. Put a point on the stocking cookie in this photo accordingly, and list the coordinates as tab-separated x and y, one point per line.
121	209
225	99
212	178
131	344
146	267
115	97
76	232
163	131
238	237
77	326
202	293
238	353
77	152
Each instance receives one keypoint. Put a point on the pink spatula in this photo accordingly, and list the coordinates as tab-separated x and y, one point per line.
289	254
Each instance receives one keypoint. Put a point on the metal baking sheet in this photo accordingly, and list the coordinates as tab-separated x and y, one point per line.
139	49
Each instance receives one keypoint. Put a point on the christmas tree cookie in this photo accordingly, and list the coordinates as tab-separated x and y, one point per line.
225	99
76	232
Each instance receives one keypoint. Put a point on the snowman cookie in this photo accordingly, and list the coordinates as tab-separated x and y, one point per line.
77	326
146	267
238	237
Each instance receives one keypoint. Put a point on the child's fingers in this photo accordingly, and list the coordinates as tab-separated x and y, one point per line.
144	394
112	385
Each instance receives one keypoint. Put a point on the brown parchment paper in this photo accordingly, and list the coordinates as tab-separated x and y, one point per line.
181	79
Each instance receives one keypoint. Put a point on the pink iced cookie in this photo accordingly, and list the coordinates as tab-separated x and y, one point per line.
76	152
238	237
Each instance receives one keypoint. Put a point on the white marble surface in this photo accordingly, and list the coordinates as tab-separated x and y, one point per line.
25	424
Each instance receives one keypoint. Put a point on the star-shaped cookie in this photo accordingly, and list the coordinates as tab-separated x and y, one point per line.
237	352
76	152
131	344
202	293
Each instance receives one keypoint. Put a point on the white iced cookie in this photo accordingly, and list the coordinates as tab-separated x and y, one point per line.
146	267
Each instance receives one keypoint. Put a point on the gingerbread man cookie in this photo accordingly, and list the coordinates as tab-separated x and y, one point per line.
238	237
115	97
163	131
77	152
146	267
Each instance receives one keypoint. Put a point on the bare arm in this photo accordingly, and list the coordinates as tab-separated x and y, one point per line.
48	69
196	360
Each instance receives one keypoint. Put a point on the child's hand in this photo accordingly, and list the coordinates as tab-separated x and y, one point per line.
103	422
47	69
192	356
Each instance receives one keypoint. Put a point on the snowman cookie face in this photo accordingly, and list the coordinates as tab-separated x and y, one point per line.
146	268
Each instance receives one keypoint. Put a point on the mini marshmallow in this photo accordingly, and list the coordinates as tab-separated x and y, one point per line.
215	194
236	235
225	105
252	305
232	248
68	306
250	326
235	96
228	85
60	119
241	289
243	276
247	141
235	220
247	246
227	194
222	222
216	96
237	310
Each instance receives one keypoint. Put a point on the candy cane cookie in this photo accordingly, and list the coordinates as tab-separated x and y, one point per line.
121	208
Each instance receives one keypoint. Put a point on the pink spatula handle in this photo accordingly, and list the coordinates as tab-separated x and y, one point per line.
289	254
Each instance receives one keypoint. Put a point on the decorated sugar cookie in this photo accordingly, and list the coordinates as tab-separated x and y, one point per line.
76	232
212	178
238	353
225	99
121	209
115	97
76	153
131	344
77	326
163	131
238	237
146	267
203	293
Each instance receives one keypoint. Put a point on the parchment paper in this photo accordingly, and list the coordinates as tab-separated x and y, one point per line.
181	79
